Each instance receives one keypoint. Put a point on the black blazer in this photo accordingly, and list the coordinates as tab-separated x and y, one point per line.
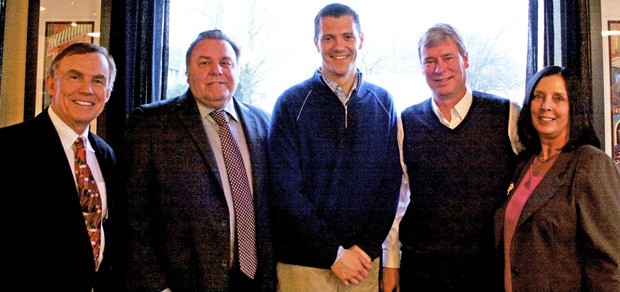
179	231
46	245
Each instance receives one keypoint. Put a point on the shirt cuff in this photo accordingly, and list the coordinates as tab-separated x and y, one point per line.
391	259
340	253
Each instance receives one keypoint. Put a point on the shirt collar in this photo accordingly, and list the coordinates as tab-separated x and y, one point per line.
333	85
229	108
66	134
461	108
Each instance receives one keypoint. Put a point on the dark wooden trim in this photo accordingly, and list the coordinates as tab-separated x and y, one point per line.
2	16
32	45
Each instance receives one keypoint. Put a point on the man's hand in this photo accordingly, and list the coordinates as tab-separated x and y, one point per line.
390	280
352	267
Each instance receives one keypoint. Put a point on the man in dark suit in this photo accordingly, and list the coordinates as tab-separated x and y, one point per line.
182	193
46	241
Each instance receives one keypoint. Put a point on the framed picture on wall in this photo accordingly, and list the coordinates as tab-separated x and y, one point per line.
614	74
59	35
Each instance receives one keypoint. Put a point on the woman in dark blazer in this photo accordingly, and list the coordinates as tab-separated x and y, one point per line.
559	227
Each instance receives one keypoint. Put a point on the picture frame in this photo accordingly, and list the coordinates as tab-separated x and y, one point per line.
58	36
614	86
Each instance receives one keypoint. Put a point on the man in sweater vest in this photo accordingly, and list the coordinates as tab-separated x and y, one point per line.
458	151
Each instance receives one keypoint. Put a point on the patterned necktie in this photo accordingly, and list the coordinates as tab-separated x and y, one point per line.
89	198
242	196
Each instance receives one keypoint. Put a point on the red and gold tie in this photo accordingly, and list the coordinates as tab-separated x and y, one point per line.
90	200
242	196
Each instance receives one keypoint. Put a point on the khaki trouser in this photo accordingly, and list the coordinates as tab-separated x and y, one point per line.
293	278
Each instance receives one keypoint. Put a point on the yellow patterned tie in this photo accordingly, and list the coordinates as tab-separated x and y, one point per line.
90	200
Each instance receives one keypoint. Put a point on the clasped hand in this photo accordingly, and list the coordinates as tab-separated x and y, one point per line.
353	266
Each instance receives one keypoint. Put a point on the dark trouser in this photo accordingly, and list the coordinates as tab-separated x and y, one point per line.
444	273
240	282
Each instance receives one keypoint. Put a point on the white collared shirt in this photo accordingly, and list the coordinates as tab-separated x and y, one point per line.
212	130
67	138
391	245
457	113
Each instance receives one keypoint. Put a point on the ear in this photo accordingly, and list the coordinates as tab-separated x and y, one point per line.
107	95
50	84
316	44
108	92
361	40
466	60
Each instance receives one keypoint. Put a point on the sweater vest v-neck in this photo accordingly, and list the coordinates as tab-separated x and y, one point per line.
456	176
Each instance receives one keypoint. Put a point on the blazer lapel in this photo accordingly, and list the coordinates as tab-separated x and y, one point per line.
546	189
520	171
249	126
49	148
190	118
254	135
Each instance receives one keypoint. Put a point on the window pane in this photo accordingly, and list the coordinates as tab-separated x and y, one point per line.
277	49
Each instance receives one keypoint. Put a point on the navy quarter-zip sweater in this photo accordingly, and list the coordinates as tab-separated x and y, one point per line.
336	171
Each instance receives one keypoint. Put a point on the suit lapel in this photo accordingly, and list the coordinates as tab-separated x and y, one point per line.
49	148
51	154
547	187
520	171
254	136
190	118
248	123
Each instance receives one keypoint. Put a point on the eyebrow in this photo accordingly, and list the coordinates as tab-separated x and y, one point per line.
79	73
225	58
74	72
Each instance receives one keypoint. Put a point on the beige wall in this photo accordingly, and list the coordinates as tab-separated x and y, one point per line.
13	63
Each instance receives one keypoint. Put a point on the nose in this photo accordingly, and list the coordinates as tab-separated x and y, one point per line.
216	69
546	103
86	87
339	44
440	66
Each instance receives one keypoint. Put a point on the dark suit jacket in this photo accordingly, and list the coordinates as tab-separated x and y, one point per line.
179	221
568	235
46	245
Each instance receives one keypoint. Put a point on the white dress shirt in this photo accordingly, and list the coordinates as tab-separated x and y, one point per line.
67	138
391	245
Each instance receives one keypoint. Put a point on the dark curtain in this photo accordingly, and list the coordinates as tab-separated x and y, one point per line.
549	33
32	41
576	51
139	45
532	40
574	35
575	38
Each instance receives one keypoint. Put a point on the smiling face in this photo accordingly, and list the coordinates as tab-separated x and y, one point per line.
445	70
212	73
79	88
338	41
550	110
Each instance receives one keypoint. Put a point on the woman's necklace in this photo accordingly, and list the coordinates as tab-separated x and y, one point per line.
542	160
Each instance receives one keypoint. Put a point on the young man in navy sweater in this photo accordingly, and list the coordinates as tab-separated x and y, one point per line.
335	164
